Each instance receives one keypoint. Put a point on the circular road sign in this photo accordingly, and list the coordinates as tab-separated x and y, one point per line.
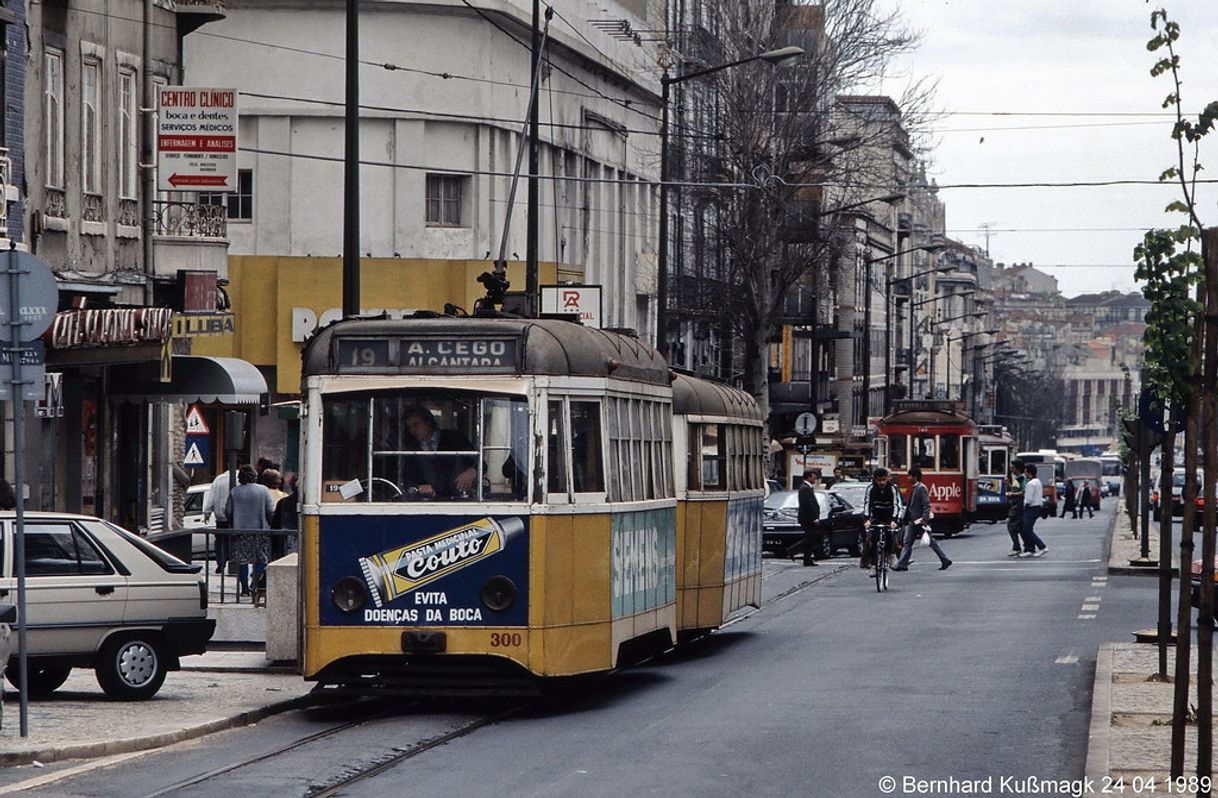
37	296
806	424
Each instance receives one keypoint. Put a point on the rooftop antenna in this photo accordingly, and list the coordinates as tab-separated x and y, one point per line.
986	229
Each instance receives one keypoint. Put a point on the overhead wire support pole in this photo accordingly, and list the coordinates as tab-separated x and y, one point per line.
351	219
501	262
532	277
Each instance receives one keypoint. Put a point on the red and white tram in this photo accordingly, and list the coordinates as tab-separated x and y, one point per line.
942	441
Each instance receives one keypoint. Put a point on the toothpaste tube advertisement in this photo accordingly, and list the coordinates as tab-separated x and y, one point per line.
425	570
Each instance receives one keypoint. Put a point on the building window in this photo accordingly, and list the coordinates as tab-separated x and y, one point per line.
52	107
90	126
128	137
240	203
444	194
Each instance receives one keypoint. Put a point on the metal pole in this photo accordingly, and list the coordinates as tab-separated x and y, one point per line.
149	159
912	331
16	386
531	276
1145	488
662	260
866	342
888	311
351	303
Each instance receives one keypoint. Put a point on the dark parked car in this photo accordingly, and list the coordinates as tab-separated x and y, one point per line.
841	522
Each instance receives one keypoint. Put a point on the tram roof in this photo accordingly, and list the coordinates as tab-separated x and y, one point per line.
695	396
927	412
543	346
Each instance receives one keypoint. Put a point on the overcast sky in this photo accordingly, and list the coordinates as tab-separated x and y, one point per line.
1079	57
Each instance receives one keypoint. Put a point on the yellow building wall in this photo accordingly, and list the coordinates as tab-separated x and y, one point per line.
265	289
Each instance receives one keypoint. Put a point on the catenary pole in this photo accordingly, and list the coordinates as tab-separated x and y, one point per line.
351	221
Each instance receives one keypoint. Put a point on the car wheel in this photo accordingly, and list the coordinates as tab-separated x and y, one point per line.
43	681
824	546
131	667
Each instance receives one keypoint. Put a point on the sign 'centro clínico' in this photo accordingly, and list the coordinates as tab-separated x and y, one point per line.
196	139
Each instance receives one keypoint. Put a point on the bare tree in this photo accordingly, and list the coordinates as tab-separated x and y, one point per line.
771	152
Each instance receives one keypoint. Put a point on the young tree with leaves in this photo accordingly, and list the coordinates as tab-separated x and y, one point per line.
1182	370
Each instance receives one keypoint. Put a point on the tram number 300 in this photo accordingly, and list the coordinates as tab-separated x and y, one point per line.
506	639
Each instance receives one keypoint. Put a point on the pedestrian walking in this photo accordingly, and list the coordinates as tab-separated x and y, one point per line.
809	514
215	503
917	520
1071	503
1084	502
1015	488
1033	499
250	507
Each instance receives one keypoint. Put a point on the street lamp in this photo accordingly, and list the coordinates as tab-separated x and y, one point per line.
666	80
962	337
887	325
888	308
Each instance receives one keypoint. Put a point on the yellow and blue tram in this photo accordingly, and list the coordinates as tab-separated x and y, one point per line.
489	500
720	490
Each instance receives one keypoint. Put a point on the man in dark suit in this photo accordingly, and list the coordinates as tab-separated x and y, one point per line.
439	475
809	513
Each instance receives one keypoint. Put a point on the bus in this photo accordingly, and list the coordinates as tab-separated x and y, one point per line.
1110	467
1050	470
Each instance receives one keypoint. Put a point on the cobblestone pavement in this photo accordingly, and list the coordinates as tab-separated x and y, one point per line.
214	691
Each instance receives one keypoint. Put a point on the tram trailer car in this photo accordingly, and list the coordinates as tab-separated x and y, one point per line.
489	503
942	441
720	491
994	447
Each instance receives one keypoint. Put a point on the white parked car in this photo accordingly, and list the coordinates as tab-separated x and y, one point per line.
192	518
99	597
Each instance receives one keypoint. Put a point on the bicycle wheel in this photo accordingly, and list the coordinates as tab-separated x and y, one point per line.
881	563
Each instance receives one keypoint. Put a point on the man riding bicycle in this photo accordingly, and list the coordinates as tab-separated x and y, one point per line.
881	509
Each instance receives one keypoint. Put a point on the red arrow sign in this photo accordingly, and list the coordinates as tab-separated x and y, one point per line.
177	180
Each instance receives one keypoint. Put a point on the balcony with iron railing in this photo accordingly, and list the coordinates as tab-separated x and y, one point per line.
189	235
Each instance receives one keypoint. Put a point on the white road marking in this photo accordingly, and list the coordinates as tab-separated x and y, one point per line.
1099	579
1040	561
1087	617
1090	607
1067	659
1093	598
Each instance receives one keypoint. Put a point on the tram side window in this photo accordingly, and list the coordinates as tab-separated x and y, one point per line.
505	448
998	461
693	466
949	452
923	451
713	476
345	438
897	452
556	446
587	469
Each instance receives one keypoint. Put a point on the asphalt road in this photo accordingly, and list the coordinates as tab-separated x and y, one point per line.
981	670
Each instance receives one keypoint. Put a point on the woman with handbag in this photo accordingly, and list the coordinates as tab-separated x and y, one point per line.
917	523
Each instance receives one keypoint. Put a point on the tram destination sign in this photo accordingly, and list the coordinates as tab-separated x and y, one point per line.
430	355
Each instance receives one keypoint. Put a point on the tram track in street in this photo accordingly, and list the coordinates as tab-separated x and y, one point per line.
360	773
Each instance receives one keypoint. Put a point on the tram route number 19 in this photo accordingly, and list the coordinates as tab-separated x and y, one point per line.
355	354
506	639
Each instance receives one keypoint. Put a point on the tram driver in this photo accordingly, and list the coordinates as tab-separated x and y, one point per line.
439	476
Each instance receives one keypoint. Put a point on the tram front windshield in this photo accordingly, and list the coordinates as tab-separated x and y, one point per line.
406	445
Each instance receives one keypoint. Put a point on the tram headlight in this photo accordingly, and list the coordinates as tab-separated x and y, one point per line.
498	593
349	594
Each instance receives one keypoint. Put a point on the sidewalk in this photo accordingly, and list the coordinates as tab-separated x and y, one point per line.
213	691
1130	733
1124	548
